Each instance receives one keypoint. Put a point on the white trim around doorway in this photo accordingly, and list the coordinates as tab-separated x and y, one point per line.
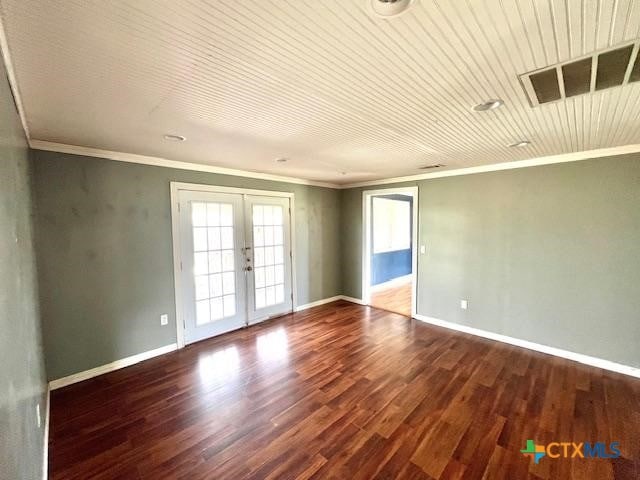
366	241
176	187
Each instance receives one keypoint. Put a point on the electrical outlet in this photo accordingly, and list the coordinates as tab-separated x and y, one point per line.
164	319
38	416
464	304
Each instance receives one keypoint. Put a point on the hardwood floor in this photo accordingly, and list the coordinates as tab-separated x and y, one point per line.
346	392
394	299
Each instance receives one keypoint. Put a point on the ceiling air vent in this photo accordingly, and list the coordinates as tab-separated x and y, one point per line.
612	67
546	86
600	70
577	77
635	73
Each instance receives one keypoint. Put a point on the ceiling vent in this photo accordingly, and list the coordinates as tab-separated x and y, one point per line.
429	167
600	70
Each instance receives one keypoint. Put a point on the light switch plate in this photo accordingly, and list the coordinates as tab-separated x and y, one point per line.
164	319
423	249
463	304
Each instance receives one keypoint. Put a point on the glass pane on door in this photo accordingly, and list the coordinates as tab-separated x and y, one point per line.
213	261
268	244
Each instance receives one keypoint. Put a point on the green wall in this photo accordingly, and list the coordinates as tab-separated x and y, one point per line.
22	378
105	254
549	254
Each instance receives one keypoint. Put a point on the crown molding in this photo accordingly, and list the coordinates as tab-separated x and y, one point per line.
11	76
163	162
532	162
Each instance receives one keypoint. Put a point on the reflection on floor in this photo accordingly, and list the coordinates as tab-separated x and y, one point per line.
395	298
343	391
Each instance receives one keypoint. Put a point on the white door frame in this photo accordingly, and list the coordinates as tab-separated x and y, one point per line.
176	187
366	241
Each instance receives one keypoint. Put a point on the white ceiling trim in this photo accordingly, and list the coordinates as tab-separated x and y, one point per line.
532	162
11	76
163	162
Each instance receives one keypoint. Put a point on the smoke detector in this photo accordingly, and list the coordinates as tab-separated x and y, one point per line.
389	8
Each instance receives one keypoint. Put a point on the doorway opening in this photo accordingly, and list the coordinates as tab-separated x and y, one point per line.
390	260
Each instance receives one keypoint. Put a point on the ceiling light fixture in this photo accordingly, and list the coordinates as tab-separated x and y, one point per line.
174	138
389	8
491	104
281	160
521	143
428	167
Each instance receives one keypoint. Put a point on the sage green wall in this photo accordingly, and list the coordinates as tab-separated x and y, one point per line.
22	378
549	254
105	256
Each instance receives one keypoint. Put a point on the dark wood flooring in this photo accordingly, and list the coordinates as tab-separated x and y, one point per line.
345	392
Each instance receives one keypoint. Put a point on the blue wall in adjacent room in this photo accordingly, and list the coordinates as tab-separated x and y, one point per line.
389	265
386	266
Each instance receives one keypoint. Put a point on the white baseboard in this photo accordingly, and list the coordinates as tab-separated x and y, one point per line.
317	303
558	352
359	301
45	450
110	367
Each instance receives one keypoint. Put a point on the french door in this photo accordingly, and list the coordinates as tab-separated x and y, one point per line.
235	260
269	254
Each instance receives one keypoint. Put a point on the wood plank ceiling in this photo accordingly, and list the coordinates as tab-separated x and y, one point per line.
344	95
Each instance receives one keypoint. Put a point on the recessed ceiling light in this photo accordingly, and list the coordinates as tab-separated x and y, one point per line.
389	8
174	138
491	104
521	143
281	160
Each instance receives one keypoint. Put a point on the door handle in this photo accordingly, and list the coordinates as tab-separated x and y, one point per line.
249	268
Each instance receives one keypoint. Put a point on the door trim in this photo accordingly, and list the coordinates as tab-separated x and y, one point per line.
366	242
175	188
